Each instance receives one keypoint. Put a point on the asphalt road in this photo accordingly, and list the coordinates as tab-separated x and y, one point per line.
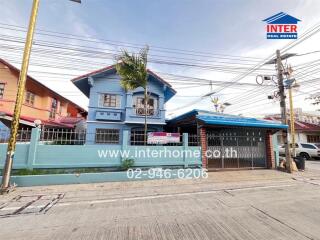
263	204
313	164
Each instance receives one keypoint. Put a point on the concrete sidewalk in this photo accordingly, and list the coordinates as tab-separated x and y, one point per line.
258	204
215	181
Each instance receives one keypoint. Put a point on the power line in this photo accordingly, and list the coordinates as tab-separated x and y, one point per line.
121	44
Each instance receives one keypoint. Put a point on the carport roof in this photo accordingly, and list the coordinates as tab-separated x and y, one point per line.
213	118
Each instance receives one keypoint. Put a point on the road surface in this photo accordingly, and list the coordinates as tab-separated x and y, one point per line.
259	204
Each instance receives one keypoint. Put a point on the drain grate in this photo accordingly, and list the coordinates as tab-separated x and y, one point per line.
29	204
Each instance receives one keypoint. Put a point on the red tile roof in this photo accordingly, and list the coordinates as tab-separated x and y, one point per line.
93	72
113	67
63	122
299	125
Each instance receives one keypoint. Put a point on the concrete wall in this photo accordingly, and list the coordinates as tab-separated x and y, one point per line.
34	155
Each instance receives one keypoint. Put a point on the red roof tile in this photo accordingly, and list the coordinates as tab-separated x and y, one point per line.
112	67
64	122
299	125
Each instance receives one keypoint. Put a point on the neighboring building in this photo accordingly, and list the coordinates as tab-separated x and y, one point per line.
299	115
112	109
229	141
39	102
305	132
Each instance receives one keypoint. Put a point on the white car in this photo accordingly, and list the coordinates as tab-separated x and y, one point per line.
307	150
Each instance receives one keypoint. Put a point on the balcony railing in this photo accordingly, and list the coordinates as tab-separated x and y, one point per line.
149	112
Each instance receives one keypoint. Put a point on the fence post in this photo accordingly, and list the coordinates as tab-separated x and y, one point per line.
185	141
35	133
275	149
125	141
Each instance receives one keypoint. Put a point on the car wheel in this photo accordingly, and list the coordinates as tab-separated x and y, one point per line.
305	155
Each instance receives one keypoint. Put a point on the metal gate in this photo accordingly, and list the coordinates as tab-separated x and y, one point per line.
236	148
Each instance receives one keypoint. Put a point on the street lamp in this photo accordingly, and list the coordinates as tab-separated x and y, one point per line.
20	93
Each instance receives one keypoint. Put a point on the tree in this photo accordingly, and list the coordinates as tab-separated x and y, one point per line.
132	69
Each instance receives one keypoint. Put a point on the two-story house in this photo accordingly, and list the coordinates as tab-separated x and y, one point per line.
112	109
40	102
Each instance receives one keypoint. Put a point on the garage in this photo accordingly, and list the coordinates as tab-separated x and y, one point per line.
229	141
236	148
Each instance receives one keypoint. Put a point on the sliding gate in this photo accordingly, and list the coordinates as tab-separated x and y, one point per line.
236	148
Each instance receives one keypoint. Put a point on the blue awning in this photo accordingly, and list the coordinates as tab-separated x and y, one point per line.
213	118
239	122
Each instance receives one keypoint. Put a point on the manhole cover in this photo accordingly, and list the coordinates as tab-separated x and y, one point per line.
29	204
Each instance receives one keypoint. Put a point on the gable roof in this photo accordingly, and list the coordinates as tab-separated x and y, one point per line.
81	82
213	118
17	71
299	125
281	18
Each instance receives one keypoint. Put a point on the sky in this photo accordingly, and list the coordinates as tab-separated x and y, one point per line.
214	39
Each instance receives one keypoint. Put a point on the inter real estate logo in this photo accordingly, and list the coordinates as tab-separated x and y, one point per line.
282	26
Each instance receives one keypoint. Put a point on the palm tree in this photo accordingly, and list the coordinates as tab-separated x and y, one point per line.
132	69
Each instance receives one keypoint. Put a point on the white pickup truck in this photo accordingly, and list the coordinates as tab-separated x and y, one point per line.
307	150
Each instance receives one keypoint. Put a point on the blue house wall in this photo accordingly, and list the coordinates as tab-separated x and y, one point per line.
124	116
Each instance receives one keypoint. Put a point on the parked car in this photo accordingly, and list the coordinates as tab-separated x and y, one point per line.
307	150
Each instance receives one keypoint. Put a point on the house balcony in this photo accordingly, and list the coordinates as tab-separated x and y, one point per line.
136	115
149	112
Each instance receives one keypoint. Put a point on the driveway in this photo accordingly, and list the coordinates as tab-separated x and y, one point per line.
259	204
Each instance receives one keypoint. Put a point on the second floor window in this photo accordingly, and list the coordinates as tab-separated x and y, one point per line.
140	106
30	98
54	107
109	100
2	90
140	103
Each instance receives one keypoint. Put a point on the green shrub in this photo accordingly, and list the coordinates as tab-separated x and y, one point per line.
127	163
22	172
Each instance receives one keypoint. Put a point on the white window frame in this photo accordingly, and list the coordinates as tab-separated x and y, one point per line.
102	97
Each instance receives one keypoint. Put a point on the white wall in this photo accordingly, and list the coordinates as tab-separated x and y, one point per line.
299	137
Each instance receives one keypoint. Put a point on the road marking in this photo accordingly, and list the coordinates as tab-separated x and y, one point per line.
154	196
261	187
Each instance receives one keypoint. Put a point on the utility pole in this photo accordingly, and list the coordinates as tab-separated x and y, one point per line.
292	127
283	110
20	95
19	99
291	83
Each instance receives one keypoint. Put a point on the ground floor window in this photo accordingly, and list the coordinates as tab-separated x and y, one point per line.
107	136
313	138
